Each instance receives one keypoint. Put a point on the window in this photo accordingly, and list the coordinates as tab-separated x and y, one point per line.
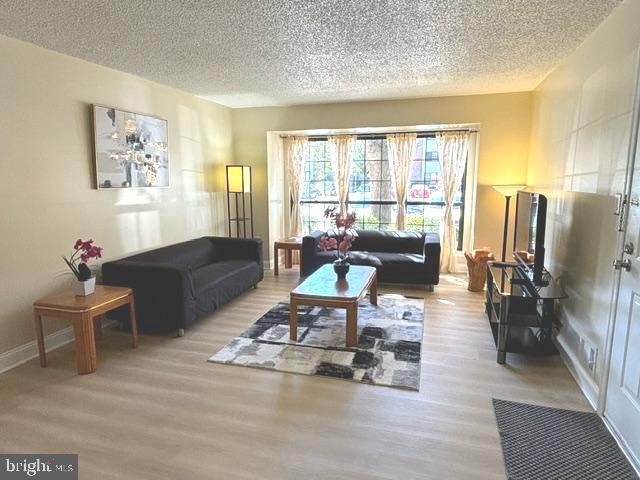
318	190
370	187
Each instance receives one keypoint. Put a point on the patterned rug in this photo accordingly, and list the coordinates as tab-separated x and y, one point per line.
545	443
388	351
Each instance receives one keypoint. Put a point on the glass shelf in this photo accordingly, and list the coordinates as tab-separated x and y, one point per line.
511	280
521	314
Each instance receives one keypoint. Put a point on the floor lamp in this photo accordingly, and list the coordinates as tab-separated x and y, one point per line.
239	186
507	191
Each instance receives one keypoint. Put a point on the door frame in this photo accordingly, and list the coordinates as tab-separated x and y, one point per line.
633	150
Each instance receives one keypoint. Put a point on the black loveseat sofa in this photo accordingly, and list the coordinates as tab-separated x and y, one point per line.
174	286
399	257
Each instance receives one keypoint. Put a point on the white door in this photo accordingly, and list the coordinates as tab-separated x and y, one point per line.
622	407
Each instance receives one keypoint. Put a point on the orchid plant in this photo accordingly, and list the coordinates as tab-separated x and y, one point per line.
84	250
343	238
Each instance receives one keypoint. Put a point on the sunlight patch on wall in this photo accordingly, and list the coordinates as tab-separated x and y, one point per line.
139	230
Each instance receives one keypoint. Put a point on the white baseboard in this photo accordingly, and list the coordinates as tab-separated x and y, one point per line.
19	355
581	375
24	353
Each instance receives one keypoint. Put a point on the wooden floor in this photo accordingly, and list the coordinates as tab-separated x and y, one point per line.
163	412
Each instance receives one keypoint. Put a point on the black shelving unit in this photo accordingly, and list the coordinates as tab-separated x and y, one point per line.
521	314
239	187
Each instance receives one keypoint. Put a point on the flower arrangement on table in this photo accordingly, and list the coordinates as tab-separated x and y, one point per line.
341	240
84	251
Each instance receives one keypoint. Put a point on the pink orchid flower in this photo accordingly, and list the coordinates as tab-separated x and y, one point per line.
327	243
345	244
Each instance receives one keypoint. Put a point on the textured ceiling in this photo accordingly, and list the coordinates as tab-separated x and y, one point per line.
282	52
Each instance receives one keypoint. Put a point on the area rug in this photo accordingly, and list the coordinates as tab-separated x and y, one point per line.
545	443
388	351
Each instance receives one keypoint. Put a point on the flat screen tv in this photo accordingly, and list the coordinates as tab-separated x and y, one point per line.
528	236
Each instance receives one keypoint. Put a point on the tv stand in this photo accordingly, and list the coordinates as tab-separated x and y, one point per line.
521	314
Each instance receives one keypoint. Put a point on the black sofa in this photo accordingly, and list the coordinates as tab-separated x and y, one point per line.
399	257
175	285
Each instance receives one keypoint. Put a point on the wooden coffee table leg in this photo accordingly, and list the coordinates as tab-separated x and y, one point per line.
352	325
40	339
85	344
373	291
293	321
133	321
288	258
275	260
97	327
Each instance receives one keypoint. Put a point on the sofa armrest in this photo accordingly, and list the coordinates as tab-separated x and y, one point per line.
432	257
308	253
244	248
162	291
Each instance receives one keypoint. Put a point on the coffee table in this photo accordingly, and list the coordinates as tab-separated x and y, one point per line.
323	289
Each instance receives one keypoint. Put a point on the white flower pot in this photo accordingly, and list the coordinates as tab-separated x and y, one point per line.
82	289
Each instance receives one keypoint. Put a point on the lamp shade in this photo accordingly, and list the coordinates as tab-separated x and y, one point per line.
238	178
508	190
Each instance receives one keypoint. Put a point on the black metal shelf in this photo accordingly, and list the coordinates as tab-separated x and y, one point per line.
525	341
515	319
521	315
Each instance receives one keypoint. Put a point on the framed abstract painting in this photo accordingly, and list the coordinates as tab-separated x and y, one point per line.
131	149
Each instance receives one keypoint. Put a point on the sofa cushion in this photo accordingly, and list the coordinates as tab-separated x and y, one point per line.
364	258
219	283
400	262
193	253
209	276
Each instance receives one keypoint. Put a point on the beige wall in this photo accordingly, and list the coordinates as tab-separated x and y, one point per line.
47	198
504	141
579	145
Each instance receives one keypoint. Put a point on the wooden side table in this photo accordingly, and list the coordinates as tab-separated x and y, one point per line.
289	245
85	314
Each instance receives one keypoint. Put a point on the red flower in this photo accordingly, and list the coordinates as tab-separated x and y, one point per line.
86	245
85	250
94	252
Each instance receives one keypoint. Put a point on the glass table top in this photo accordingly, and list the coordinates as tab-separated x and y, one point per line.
510	279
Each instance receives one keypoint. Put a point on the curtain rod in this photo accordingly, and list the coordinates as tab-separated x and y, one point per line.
384	134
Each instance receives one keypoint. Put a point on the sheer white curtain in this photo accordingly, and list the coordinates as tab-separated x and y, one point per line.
296	150
340	151
452	152
401	147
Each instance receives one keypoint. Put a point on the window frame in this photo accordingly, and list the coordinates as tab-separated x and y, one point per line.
426	179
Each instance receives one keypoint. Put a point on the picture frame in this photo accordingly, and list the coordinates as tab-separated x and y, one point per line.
131	149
